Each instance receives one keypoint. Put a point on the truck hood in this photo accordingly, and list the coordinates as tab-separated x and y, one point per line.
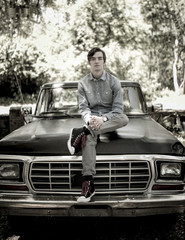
142	135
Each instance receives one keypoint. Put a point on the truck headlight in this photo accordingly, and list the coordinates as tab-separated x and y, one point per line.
170	170
9	171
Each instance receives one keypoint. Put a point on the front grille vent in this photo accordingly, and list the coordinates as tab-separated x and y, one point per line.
111	177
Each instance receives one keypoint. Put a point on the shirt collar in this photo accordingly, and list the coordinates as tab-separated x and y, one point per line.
103	76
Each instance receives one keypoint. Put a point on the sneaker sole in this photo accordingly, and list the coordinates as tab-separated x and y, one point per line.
70	148
83	199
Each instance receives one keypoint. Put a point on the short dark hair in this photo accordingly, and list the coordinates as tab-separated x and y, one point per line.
93	51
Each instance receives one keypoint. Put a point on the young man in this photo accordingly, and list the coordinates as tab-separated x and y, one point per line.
101	107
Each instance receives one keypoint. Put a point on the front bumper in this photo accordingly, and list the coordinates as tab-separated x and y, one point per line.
128	206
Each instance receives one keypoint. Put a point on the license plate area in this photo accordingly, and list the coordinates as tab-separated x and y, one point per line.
90	211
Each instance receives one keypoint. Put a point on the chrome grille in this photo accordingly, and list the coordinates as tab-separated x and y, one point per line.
111	177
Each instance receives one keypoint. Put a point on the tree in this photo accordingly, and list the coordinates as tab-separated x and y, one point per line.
15	13
167	34
21	66
139	47
24	64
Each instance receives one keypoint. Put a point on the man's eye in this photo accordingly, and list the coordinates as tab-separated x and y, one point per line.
94	59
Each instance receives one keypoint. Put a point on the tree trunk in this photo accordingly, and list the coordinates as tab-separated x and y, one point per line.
184	80
175	81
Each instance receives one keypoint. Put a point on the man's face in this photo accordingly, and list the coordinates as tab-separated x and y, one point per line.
97	62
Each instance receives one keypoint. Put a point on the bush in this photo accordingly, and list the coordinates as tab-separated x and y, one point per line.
22	72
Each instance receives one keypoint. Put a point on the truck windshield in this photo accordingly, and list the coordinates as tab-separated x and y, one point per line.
133	100
57	100
65	100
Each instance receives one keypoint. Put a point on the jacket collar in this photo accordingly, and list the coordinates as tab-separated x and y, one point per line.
103	76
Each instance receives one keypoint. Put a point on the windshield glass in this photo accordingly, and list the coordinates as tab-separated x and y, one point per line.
133	100
57	100
65	100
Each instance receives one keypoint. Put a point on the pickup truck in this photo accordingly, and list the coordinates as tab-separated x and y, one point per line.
140	168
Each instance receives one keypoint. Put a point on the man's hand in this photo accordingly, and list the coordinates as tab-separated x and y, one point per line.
95	122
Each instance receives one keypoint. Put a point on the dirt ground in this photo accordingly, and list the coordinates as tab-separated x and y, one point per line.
142	228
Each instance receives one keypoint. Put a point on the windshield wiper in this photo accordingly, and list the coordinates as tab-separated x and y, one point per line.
48	114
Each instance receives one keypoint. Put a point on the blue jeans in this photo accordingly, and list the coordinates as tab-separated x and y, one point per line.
89	151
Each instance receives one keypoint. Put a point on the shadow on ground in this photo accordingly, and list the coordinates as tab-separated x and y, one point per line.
142	228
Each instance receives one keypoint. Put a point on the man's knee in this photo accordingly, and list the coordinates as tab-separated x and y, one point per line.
122	120
125	120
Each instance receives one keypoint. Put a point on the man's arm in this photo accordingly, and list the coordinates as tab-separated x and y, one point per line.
84	109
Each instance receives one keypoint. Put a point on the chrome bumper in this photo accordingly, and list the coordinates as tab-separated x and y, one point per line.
99	206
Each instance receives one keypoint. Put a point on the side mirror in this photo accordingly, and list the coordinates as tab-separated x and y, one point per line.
157	107
26	113
26	110
152	108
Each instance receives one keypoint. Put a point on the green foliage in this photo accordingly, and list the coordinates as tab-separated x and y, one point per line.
97	23
110	25
49	40
22	71
167	25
